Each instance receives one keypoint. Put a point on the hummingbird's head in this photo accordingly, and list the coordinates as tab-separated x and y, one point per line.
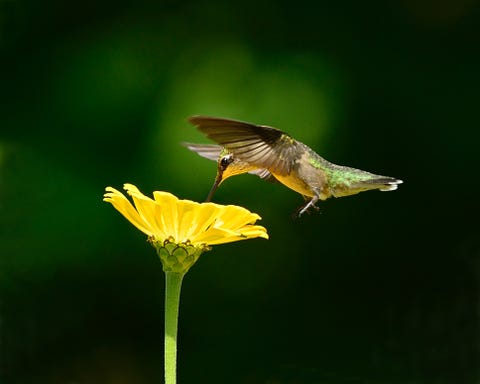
228	165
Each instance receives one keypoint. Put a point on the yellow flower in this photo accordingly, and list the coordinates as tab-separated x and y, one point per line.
181	230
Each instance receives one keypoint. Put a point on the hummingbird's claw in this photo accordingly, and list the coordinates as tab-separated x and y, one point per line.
307	207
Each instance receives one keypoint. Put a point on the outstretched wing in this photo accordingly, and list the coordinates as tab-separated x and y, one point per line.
262	146
212	152
209	151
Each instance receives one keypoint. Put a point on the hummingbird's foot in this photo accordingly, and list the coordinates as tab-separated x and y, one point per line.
306	207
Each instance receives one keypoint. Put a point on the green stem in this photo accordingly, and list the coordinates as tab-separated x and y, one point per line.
173	285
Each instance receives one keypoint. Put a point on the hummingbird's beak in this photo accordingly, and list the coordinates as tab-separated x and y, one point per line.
215	185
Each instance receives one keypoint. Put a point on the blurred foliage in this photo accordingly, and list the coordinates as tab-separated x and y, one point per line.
377	288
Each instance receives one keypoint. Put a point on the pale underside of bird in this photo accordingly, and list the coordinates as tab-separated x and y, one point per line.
274	155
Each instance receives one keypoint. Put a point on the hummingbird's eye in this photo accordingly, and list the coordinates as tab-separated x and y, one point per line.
225	161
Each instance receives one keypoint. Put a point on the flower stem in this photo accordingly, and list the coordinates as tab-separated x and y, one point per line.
173	285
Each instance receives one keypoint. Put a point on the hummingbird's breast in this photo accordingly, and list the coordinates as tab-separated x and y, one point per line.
306	179
293	182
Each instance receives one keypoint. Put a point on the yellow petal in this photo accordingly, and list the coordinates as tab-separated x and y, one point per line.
235	217
150	212
218	236
122	205
253	231
187	211
207	216
168	212
222	236
130	187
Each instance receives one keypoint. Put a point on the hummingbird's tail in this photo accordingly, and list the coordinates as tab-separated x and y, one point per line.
383	183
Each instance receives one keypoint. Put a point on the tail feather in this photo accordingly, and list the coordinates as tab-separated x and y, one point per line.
383	183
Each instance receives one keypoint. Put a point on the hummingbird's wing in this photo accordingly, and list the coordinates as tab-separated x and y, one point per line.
209	151
264	174
212	152
262	146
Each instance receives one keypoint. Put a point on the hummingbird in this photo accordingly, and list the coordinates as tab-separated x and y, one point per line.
274	155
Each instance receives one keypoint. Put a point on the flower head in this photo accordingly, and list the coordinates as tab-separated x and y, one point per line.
181	230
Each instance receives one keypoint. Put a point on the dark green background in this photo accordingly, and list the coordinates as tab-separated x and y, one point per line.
377	288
